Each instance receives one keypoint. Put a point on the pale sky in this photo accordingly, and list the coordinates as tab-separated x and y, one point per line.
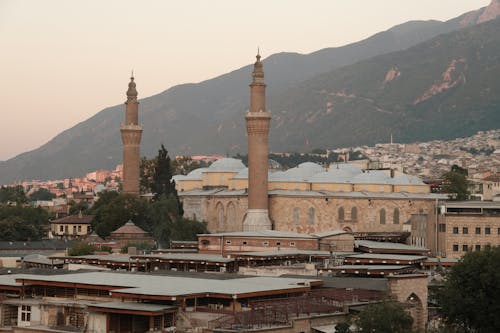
63	61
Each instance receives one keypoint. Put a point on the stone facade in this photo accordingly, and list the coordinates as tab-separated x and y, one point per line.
308	214
131	134
467	232
411	289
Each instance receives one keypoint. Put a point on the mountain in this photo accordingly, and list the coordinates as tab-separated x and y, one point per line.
207	117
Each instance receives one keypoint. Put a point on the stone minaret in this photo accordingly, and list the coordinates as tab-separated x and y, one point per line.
131	139
257	120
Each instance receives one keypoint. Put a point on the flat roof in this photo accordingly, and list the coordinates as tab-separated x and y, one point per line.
388	246
371	267
383	256
186	257
173	286
134	306
472	204
261	233
288	252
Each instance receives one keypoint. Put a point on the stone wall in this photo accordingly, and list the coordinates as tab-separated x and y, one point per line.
411	289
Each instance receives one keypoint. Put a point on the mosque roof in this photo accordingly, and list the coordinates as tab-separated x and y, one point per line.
129	228
301	173
226	165
372	177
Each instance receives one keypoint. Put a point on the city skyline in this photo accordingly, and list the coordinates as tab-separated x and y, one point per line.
65	62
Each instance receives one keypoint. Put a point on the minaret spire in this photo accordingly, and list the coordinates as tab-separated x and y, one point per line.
257	120
131	138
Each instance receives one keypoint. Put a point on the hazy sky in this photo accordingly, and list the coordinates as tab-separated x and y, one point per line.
62	61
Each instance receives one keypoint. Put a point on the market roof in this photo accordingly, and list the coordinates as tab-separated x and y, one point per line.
186	257
392	257
260	233
134	306
172	286
389	246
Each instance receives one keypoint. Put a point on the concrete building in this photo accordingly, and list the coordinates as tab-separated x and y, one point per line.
131	133
467	226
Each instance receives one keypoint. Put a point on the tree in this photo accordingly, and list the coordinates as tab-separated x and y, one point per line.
343	327
10	194
18	223
470	297
81	249
455	183
387	316
162	177
112	210
42	194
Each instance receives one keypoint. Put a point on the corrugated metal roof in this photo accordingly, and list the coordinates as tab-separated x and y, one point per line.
387	245
187	257
175	286
133	306
401	257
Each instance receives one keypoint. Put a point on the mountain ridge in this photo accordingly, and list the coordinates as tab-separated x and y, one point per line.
212	105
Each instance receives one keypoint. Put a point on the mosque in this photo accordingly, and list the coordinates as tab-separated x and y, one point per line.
375	204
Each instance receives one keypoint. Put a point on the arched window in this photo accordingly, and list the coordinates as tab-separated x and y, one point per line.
382	216
354	214
341	214
220	216
231	214
296	215
311	215
395	217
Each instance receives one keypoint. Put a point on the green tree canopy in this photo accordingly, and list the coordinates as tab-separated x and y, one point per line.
18	223
161	218
455	183
470	297
387	316
42	194
81	249
12	194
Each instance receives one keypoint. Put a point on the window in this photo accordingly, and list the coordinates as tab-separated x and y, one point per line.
228	242
455	247
341	214
74	229
79	228
478	230
442	227
61	229
455	230
26	313
382	216
311	215
395	217
465	248
465	230
265	243
278	243
296	215
354	214
478	247
487	231
499	231
292	244
244	242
